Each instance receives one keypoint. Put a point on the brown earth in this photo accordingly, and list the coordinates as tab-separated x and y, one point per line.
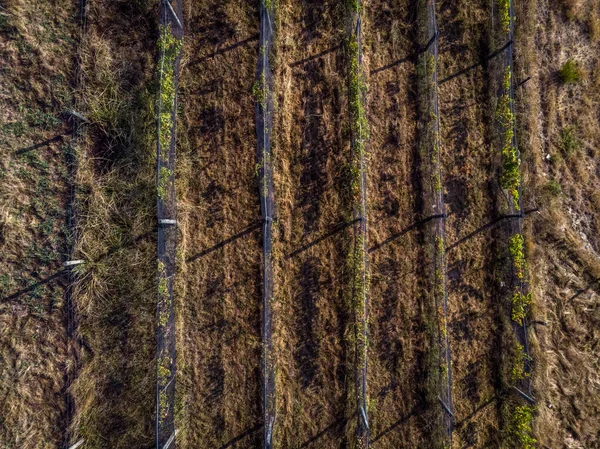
311	227
564	184
467	158
218	283
396	353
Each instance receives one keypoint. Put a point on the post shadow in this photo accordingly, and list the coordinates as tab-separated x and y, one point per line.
477	64
34	286
397	423
396	236
318	55
337	228
337	425
221	244
38	145
220	51
241	436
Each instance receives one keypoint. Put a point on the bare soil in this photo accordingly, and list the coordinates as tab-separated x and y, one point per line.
219	281
469	178
311	228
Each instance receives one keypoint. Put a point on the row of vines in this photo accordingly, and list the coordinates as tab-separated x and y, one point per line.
518	407
169	48
439	376
263	93
357	263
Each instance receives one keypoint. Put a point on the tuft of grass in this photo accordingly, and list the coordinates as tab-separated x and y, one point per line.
569	141
594	28
553	188
570	8
570	73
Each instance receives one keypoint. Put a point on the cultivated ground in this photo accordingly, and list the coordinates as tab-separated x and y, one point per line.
98	382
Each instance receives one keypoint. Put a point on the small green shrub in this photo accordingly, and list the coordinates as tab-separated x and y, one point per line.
520	427
516	250
520	303
553	188
570	73
504	8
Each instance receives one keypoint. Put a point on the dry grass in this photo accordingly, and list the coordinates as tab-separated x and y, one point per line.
219	286
468	158
397	315
115	295
566	263
36	39
219	278
310	249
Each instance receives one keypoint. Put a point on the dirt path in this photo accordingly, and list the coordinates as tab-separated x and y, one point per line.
474	325
311	230
218	297
396	350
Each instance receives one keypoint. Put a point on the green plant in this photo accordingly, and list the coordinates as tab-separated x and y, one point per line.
516	250
260	91
169	48
520	427
570	73
553	188
504	7
358	120
164	175
510	179
517	364
520	302
353	5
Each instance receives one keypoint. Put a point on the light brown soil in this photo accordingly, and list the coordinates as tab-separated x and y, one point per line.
396	352
474	326
565	246
219	283
311	229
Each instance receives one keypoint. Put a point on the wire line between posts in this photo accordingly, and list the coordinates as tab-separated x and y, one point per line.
171	36
263	91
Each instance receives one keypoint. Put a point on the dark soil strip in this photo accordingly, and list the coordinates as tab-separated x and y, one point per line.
263	91
439	384
358	259
73	341
169	60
